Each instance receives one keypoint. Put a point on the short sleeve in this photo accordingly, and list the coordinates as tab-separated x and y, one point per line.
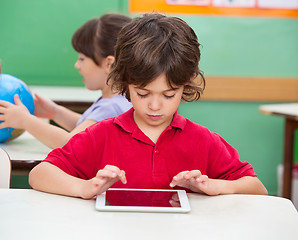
78	156
225	162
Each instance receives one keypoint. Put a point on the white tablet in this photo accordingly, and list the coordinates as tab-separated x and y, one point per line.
143	200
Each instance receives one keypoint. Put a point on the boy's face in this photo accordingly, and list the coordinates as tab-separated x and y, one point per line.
155	103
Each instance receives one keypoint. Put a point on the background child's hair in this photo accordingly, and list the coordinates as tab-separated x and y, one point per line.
97	38
152	45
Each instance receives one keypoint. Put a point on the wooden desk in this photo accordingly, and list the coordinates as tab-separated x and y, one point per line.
29	214
290	113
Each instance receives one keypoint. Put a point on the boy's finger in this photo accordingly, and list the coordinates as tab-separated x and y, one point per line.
122	177
106	173
202	179
117	171
178	178
180	175
112	169
174	181
193	174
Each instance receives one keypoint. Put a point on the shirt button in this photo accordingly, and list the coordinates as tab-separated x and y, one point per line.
156	151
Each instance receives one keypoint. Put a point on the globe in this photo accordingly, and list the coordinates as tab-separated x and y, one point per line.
9	86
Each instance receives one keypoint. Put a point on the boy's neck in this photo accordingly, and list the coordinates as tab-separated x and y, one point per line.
152	132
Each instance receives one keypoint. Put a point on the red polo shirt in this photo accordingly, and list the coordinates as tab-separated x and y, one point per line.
184	145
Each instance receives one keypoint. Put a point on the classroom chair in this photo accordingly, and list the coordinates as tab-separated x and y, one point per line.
5	169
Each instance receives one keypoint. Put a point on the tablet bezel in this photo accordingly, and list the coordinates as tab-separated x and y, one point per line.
185	207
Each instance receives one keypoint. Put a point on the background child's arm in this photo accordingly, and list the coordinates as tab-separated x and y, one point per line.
197	182
48	178
46	108
18	116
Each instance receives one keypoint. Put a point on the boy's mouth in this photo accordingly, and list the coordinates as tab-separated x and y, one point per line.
154	117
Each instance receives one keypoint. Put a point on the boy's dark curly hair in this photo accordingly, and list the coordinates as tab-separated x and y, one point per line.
152	45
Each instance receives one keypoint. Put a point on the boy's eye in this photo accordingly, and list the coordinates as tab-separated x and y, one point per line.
142	95
169	96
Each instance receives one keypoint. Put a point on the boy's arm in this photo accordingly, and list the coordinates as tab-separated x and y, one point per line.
197	182
47	177
244	185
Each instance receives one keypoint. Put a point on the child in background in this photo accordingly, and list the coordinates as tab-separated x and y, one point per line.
94	42
149	146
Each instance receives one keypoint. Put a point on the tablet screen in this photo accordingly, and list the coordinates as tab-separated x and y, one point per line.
142	198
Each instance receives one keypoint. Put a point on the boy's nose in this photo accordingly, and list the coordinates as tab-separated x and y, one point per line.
155	104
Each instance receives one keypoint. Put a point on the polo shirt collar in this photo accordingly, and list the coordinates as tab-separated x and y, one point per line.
178	121
127	123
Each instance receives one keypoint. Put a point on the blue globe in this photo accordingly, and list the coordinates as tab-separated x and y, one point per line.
9	86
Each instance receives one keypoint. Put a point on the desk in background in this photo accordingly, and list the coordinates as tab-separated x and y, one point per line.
290	113
25	152
29	214
77	99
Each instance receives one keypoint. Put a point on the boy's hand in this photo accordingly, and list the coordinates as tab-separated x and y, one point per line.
104	179
13	115
196	182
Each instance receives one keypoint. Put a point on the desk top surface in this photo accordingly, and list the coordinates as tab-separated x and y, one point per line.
26	148
29	214
285	109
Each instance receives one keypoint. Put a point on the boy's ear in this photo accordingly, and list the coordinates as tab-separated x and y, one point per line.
107	63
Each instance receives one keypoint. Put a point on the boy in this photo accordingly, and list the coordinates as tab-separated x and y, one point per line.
150	146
